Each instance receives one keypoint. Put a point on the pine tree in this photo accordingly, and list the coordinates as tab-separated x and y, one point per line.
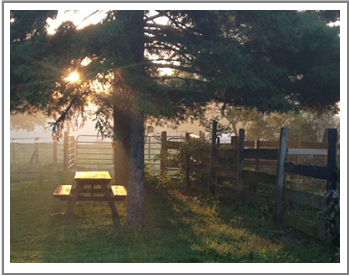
270	60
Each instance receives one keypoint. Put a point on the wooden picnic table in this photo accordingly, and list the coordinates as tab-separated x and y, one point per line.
95	184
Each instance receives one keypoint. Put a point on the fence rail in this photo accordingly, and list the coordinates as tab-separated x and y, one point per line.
234	164
35	150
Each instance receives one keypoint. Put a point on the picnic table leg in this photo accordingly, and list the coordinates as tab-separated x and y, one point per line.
110	201
72	202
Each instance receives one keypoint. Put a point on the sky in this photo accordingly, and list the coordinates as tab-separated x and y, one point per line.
79	18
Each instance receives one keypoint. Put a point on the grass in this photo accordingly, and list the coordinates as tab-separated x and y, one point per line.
181	228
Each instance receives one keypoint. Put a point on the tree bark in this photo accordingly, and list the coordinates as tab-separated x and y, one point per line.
135	199
134	24
121	139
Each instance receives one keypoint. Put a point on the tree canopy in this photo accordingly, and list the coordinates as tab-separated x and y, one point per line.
269	60
272	60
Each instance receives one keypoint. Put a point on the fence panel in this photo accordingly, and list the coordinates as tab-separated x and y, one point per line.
40	151
295	208
93	153
152	151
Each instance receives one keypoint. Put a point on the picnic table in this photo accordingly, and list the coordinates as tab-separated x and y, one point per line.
91	186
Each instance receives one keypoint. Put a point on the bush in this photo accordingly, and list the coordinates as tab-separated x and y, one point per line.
195	151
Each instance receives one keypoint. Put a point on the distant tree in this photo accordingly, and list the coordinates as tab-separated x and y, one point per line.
270	60
305	125
27	122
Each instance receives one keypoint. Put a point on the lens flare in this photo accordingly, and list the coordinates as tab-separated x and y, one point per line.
73	77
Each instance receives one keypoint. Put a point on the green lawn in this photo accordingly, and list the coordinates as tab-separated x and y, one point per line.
180	229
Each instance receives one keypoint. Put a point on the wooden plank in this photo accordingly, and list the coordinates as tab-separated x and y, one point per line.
257	160
187	166
62	191
93	175
260	177
332	159
118	191
280	176
306	151
91	198
303	225
239	177
270	154
213	159
304	198
319	172
87	190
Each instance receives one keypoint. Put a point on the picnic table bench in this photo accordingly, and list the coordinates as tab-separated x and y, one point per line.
91	186
66	192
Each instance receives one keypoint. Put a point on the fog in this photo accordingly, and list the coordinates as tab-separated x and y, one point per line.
27	127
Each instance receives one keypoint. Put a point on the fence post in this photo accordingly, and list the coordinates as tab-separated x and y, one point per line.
257	160
234	142
332	159
187	166
54	146
240	158
282	155
65	149
213	160
36	150
13	149
299	147
163	151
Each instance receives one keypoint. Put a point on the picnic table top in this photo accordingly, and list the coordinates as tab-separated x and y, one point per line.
92	175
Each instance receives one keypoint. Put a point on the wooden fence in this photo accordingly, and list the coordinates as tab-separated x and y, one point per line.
241	164
34	150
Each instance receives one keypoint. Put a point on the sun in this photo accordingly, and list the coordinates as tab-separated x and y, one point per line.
73	77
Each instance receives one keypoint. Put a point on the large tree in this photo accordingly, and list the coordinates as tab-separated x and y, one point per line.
271	60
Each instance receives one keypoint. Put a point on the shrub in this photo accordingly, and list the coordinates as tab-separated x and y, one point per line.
195	151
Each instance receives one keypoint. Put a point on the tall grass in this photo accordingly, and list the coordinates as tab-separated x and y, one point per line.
180	228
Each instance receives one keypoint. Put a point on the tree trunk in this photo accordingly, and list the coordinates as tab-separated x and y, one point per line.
133	21
121	129
135	199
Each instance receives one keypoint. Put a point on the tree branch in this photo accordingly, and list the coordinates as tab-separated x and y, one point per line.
172	66
151	18
180	78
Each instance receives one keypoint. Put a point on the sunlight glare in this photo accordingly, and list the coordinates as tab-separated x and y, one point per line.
73	77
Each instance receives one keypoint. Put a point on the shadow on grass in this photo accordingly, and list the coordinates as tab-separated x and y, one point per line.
180	228
217	232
